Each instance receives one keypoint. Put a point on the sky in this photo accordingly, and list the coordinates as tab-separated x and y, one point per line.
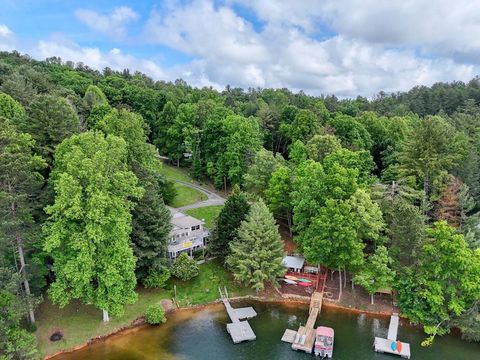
341	47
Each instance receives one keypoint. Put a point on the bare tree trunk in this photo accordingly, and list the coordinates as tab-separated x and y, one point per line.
26	284
371	299
340	283
106	318
345	279
178	163
289	222
225	184
353	284
331	275
23	265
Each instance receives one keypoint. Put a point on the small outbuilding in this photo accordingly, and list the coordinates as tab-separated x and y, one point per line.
294	263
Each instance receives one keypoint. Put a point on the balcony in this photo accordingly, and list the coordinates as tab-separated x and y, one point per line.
183	244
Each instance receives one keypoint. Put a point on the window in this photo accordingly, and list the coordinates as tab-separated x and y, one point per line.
197	227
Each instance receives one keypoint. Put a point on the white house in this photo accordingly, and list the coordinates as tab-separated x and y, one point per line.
187	235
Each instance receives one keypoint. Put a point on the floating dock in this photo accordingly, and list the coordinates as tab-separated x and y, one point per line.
239	330
304	338
391	345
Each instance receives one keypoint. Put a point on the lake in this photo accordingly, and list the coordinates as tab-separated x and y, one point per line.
201	334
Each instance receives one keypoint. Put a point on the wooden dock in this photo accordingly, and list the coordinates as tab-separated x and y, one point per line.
382	345
304	338
239	330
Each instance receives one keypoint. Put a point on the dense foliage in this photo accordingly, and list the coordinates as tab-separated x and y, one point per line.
360	184
155	315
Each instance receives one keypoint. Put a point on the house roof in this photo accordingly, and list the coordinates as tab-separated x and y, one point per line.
183	221
294	262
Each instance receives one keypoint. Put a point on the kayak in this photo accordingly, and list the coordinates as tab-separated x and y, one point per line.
304	280
301	283
291	282
290	277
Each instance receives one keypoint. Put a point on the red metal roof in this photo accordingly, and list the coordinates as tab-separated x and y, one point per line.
326	331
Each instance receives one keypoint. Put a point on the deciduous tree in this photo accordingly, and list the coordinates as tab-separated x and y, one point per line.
89	225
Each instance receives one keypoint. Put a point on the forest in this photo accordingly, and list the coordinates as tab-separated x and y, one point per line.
385	189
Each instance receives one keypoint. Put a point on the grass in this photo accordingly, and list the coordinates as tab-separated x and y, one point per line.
207	213
186	196
79	322
175	173
204	288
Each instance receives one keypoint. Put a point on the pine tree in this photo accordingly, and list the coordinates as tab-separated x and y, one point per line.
257	253
232	214
151	228
19	180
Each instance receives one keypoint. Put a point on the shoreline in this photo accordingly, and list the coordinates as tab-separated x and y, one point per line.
140	323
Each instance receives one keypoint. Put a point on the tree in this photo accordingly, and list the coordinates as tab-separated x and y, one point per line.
15	342
94	96
351	132
443	285
430	150
260	171
228	221
51	119
179	137
89	225
184	267
332	238
164	121
376	273
360	160
10	108
278	194
304	126
257	252
20	180
297	153
131	128
242	141
319	146
150	228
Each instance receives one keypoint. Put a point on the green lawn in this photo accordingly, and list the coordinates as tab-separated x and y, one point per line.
186	196
79	323
208	213
204	288
175	173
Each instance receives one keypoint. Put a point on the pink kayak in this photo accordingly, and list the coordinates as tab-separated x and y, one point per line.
301	283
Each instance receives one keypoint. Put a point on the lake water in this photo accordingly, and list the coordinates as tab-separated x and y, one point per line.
201	334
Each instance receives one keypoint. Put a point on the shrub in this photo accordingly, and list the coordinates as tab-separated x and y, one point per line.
155	315
156	278
184	268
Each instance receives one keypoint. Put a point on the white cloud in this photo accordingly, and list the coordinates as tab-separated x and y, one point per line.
350	47
5	31
113	24
285	53
95	58
7	39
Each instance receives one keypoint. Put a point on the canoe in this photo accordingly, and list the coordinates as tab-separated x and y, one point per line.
291	282
301	283
304	280
290	277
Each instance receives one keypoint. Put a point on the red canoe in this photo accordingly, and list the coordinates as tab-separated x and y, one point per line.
301	283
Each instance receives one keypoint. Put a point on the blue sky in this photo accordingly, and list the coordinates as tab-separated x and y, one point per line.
347	47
